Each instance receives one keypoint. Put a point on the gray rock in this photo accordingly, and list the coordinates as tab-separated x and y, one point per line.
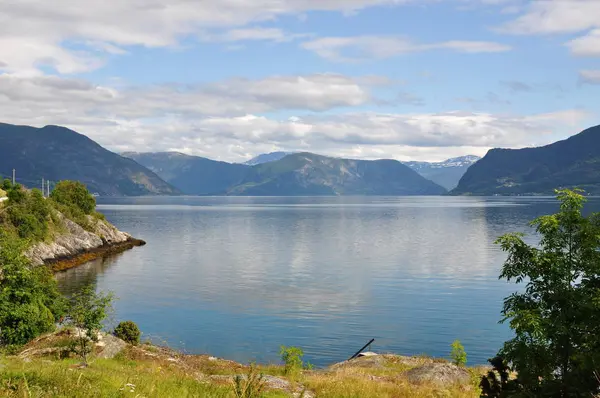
442	374
76	240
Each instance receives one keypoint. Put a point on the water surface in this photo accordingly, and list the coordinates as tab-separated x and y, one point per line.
238	277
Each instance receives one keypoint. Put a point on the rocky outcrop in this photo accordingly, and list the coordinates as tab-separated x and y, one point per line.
442	374
75	245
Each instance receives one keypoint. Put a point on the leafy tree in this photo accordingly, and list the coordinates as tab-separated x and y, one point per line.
556	320
74	194
87	312
30	303
458	354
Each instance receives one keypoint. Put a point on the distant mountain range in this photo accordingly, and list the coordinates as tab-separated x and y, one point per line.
294	174
57	153
574	162
447	173
193	175
267	157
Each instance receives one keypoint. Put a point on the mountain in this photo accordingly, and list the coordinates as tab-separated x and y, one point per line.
57	153
310	174
267	157
193	175
574	162
446	173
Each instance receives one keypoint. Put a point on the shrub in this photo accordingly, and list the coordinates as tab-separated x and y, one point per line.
458	354
292	358
30	303
129	332
251	386
74	194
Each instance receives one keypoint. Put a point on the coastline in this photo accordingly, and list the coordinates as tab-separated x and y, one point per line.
64	263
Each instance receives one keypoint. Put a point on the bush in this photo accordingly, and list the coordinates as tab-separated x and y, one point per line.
30	303
458	354
251	386
292	358
129	332
74	194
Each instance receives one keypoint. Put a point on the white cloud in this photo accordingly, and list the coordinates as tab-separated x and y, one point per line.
33	33
590	76
561	17
253	34
369	47
222	120
586	46
555	16
54	96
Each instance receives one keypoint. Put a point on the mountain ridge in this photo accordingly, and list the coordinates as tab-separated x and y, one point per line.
294	174
572	162
58	153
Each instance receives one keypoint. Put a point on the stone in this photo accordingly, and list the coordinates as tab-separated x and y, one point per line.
76	240
442	374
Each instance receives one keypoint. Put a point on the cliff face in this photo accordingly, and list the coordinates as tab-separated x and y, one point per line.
76	241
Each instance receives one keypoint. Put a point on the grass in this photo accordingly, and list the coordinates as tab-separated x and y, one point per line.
151	371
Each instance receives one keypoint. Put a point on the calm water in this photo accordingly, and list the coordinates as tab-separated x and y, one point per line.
238	277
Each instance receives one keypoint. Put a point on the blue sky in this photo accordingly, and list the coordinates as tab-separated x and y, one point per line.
228	79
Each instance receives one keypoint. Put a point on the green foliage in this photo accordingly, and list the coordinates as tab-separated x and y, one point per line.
129	332
30	303
292	358
74	194
16	194
28	212
458	354
87	312
6	184
497	383
556	319
251	386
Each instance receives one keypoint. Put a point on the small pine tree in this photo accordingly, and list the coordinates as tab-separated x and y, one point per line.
458	354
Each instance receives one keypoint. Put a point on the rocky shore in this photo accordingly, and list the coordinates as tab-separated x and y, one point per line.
75	245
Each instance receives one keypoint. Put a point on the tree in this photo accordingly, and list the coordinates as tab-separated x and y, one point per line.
30	303
556	320
74	194
458	354
87	312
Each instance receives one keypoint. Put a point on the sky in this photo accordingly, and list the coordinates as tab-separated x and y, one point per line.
229	79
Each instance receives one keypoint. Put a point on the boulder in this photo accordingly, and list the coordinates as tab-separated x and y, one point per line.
442	374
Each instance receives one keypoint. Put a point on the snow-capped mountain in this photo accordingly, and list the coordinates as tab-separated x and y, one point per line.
447	173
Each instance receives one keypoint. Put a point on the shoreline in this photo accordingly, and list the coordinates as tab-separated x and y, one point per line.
65	263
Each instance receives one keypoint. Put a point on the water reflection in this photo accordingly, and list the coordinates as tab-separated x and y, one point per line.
75	279
237	277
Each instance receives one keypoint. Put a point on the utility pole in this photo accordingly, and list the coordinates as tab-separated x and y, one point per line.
48	189
43	186
13	176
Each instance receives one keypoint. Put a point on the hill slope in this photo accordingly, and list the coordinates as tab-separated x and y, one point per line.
310	174
267	157
447	173
193	175
57	153
574	162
